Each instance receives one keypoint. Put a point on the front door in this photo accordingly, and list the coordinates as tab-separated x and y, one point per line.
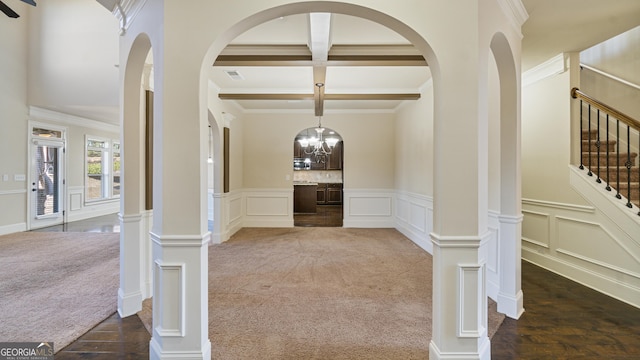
47	180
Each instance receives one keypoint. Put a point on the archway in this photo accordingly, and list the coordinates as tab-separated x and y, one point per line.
135	200
179	241
510	297
318	179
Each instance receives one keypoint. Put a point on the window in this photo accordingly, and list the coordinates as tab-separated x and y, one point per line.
115	181
103	169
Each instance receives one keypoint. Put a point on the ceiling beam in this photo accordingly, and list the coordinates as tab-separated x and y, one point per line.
339	55
290	96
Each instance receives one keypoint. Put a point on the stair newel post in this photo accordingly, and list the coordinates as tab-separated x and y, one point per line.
608	159
618	196
581	134
598	180
628	166
589	142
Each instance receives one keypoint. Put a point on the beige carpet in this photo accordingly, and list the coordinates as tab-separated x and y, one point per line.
320	293
56	286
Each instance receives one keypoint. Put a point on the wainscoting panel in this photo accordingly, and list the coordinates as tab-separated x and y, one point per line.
584	244
170	280
268	208
589	242
77	209
368	208
536	229
414	218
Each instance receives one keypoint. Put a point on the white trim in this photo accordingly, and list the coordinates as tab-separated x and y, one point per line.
515	11
163	268
40	114
13	228
554	66
13	192
556	205
607	285
468	276
612	77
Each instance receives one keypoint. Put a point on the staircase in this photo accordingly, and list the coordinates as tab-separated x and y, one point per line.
608	140
608	165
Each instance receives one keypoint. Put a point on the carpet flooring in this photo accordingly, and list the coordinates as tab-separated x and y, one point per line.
56	286
320	293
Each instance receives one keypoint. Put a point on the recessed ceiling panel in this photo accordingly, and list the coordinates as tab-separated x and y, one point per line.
369	79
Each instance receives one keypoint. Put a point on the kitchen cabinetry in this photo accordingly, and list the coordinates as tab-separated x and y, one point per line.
329	194
303	198
333	161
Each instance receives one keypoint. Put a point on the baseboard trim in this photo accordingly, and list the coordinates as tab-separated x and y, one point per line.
13	228
424	244
129	304
608	286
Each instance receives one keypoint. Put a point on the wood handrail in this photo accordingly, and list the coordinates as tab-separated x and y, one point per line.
576	93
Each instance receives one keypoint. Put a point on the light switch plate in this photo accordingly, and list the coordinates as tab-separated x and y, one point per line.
5	177
19	177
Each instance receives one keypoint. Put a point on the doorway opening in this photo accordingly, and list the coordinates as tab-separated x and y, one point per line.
318	162
47	177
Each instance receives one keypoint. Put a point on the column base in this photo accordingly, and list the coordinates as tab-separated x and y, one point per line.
129	304
483	354
511	306
156	353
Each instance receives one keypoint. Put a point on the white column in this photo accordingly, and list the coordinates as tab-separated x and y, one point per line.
147	255
130	293
459	300
180	308
510	300
217	234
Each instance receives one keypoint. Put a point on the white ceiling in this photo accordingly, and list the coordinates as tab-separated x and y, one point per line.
553	27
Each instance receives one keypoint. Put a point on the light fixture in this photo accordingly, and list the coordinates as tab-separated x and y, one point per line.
317	146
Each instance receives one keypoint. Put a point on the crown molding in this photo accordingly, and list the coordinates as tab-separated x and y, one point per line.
40	114
515	12
125	11
555	65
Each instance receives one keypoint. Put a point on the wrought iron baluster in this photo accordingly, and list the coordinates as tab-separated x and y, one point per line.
581	134
589	147
598	180
618	160
608	173
628	165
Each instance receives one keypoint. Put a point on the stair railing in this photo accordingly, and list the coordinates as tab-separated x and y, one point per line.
594	140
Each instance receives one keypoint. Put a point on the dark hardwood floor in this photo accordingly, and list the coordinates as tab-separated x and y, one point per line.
326	215
562	320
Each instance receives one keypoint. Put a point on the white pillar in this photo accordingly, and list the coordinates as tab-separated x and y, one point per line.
180	307
510	300
130	293
147	255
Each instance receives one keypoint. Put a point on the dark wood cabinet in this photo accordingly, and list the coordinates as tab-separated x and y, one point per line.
334	194
334	162
329	194
304	197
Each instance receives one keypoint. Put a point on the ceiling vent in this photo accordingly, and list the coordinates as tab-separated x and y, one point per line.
234	74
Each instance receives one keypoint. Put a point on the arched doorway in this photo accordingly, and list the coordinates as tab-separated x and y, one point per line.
318	181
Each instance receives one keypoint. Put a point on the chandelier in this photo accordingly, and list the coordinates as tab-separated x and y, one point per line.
317	145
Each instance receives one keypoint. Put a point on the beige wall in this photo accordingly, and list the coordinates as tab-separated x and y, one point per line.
268	148
546	140
414	145
13	117
609	58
